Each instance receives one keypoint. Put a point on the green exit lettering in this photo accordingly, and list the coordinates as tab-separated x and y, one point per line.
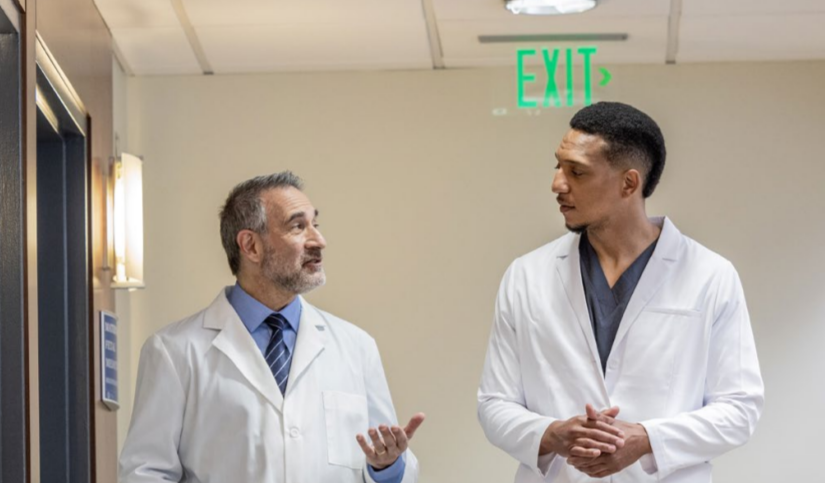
551	64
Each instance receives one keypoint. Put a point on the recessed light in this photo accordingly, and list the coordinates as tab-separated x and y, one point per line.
549	7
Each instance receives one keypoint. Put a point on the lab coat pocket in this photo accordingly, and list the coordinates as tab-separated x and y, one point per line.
675	311
655	339
346	416
654	342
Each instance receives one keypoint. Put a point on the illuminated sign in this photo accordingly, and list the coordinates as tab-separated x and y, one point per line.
552	94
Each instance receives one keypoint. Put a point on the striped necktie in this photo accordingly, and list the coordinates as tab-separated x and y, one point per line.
277	354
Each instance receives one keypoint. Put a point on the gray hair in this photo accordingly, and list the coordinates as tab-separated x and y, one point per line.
244	210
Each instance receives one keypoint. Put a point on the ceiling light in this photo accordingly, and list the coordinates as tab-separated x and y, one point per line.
549	7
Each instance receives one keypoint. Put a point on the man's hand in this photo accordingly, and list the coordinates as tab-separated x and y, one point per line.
637	444
388	443
586	436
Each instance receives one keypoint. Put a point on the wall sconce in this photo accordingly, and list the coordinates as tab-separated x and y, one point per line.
128	222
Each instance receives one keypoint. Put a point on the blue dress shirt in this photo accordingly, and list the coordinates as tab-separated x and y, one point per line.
253	314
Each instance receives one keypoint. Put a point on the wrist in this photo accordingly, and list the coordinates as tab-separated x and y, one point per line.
549	440
380	467
642	440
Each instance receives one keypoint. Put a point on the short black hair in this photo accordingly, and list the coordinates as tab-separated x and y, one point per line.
632	137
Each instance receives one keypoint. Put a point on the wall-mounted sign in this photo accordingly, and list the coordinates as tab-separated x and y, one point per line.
551	59
108	360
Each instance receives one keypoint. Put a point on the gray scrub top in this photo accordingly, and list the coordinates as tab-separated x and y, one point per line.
605	305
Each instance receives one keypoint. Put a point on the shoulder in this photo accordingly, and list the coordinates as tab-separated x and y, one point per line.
181	336
703	259
533	263
342	329
558	247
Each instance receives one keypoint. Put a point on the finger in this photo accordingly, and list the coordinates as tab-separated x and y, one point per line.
580	452
608	415
593	444
611	412
577	460
592	423
585	463
401	439
379	446
603	436
389	439
606	427
597	428
414	423
365	447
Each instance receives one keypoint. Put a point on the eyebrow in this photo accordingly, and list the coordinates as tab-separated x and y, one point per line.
300	214
571	161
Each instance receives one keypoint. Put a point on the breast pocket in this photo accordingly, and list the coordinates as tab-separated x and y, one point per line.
654	342
346	416
656	338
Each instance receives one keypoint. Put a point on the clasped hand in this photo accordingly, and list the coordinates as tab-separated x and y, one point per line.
596	443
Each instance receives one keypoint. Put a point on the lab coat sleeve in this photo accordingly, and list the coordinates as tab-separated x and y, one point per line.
381	410
502	411
734	392
150	453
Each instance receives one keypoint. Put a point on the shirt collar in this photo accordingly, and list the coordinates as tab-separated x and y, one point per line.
253	313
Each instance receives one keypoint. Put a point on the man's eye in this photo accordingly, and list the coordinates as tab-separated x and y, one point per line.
576	173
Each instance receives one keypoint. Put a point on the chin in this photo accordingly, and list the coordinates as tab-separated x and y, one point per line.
577	229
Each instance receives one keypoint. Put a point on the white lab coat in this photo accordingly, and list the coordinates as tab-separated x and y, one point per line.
683	362
207	408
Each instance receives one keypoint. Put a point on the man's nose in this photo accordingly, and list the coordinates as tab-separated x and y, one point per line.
316	239
559	182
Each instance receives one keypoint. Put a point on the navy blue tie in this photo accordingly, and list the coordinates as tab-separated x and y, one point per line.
277	354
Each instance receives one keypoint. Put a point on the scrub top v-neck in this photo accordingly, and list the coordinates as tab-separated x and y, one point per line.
606	305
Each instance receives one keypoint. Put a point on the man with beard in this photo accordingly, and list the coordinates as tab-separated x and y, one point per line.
624	313
261	386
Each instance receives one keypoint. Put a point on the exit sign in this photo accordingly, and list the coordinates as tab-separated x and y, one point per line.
552	93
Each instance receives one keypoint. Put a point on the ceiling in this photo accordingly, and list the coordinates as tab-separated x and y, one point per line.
172	37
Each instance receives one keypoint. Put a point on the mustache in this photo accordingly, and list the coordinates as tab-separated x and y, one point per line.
313	255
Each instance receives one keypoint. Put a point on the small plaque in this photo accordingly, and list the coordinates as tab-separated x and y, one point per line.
108	360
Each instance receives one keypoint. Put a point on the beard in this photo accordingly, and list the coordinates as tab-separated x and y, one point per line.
577	229
291	276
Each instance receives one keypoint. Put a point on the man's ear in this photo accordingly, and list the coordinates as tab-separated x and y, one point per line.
631	182
250	245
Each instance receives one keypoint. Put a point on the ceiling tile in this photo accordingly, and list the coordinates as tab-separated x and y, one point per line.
495	10
137	14
752	38
292	47
273	12
748	7
646	43
156	51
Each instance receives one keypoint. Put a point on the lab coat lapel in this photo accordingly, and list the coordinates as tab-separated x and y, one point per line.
660	268
308	345
235	341
569	270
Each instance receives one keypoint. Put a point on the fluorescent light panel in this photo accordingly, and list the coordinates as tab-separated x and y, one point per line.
549	7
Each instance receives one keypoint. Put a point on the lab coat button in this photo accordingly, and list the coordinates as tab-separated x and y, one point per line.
294	432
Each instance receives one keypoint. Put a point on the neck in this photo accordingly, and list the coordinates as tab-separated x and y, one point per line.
623	237
265	292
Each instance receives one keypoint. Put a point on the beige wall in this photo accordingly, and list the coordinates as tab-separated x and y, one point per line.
426	197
